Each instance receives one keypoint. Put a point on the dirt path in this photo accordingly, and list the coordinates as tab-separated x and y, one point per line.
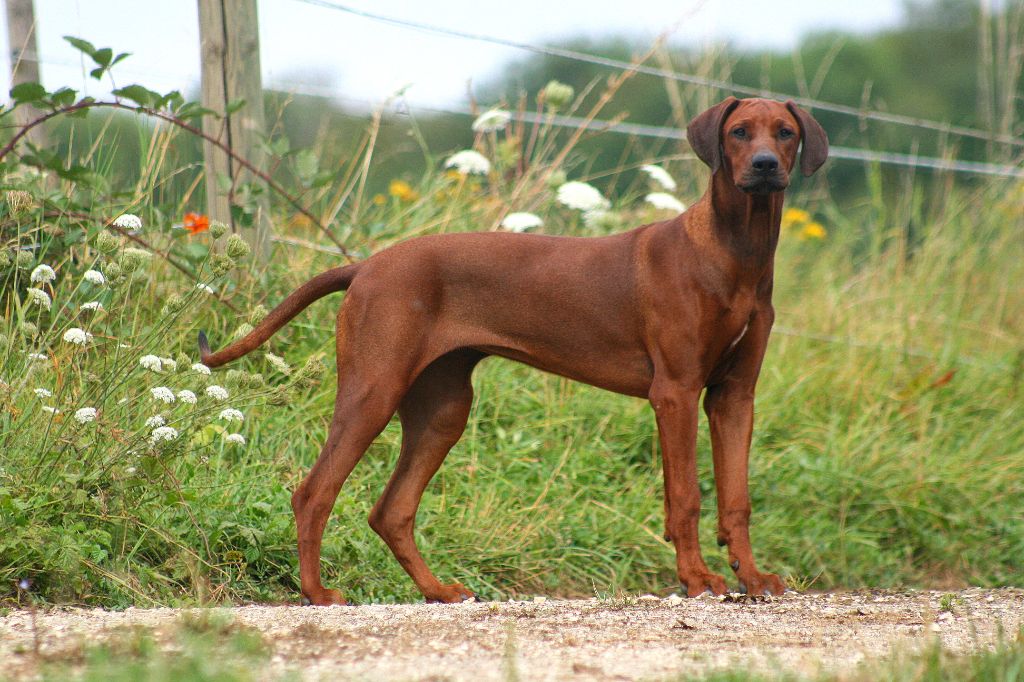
626	639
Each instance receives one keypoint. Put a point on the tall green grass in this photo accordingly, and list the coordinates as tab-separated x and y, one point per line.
888	445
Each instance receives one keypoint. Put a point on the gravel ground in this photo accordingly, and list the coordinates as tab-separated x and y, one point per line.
546	639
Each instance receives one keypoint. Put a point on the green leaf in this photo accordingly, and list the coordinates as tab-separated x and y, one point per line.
97	73
120	57
83	45
138	94
63	98
103	56
23	93
233	106
192	110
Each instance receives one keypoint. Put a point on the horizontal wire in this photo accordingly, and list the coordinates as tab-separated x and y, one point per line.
575	55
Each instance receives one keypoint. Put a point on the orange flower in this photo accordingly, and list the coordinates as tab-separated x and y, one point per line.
196	223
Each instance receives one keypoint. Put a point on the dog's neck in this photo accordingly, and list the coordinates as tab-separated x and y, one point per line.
743	226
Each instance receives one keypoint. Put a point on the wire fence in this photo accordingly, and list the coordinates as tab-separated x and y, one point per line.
575	55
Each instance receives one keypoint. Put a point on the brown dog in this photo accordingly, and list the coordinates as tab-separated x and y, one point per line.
662	312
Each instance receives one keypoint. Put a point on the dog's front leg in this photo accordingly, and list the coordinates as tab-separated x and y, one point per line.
676	410
729	405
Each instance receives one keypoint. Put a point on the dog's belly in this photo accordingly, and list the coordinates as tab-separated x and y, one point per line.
626	373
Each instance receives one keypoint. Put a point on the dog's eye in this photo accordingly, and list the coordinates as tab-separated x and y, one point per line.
739	132
785	133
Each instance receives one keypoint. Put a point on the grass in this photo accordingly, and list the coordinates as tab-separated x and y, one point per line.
887	446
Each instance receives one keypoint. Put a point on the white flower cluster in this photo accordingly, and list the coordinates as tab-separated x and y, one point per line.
187	397
42	393
163	434
128	221
492	120
42	274
151	362
77	336
200	368
521	222
155	421
660	176
469	162
163	394
230	414
205	288
665	202
38	297
235	439
217	392
581	196
94	277
85	415
91	305
279	363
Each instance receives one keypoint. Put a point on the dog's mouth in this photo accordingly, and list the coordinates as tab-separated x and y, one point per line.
763	184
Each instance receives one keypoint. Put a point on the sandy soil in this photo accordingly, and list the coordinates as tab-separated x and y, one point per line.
545	639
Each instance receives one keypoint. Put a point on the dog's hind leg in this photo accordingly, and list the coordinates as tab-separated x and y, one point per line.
433	415
359	416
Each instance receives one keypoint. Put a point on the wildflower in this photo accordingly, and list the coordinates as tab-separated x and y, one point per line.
792	216
468	161
200	368
85	415
5	259
660	176
602	220
205	288
279	363
43	274
813	230
242	331
51	410
217	392
581	196
236	247
43	393
187	397
221	264
155	421
665	202
235	439
162	393
94	277
169	364
38	297
129	470
520	222
107	243
91	305
128	221
38	356
196	223
23	260
402	190
77	336
258	314
379	199
557	94
217	229
492	120
163	434
133	259
231	415
151	362
18	199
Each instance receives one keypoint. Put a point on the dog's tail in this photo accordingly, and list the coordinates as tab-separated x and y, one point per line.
336	279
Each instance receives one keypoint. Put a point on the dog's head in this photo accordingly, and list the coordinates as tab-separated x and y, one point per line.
756	141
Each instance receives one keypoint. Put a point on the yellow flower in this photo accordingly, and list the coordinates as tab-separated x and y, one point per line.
794	216
402	190
813	231
379	199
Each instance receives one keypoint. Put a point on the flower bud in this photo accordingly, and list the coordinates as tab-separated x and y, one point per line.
236	247
107	243
221	264
218	229
557	94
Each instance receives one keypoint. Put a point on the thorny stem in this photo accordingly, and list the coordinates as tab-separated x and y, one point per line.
174	120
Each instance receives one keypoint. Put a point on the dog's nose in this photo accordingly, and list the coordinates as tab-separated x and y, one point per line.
765	162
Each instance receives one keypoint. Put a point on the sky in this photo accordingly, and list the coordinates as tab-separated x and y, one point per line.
320	50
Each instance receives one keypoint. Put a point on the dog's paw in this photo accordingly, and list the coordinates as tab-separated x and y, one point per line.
702	584
767	584
324	597
450	594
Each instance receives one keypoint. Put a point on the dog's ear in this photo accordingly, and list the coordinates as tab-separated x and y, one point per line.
705	132
815	141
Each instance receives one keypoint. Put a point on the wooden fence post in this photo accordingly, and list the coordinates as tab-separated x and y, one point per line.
230	44
21	43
